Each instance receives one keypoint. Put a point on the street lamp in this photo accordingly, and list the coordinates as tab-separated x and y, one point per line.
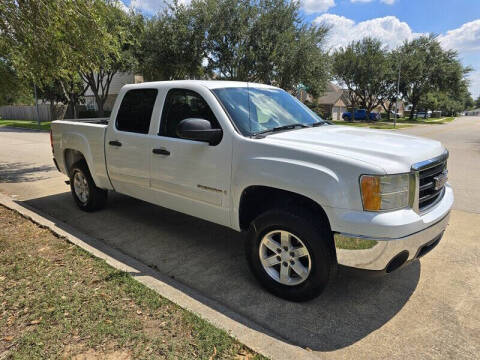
396	98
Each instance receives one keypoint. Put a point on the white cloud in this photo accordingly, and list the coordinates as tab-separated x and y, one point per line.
474	79
152	7
390	30
466	38
119	4
317	6
388	2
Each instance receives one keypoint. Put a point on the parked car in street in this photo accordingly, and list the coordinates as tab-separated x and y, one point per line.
362	115
309	195
423	114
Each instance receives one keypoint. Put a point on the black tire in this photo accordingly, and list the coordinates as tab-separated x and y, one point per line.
316	236
96	198
347	118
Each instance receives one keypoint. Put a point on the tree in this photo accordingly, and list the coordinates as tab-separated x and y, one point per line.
390	96
115	53
247	40
54	94
172	45
13	90
427	69
364	69
477	103
57	40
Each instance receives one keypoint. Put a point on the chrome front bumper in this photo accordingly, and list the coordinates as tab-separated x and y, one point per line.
372	253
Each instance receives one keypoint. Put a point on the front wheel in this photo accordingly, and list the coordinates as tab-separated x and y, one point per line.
289	254
86	194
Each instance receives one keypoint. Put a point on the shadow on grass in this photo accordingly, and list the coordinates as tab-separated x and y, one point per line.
207	263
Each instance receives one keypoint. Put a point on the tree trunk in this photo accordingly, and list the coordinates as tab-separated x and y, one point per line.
100	101
412	111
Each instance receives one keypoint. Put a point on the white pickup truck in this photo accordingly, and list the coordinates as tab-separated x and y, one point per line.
311	195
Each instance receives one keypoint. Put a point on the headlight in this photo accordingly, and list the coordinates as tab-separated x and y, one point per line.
388	192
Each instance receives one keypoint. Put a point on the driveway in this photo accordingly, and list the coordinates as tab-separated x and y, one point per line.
426	310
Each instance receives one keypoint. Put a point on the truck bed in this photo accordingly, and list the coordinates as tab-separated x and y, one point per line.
100	121
86	136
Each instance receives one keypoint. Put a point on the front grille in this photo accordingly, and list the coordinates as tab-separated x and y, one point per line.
428	194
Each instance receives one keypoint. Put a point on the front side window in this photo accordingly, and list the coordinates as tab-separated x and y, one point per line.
182	104
136	110
255	109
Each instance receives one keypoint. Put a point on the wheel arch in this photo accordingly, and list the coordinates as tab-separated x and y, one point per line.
256	199
72	156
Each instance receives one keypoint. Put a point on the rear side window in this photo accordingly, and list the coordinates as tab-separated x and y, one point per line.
136	110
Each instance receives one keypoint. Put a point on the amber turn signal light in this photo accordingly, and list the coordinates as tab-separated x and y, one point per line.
371	195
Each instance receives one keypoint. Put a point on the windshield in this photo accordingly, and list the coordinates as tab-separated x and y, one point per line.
256	110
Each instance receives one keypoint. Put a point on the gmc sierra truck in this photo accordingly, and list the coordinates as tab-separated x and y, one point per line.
310	195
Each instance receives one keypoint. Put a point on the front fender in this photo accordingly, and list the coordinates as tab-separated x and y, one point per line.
316	182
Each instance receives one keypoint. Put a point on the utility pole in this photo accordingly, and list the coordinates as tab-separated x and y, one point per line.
36	104
396	98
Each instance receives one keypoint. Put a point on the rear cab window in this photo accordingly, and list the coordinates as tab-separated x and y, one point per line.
135	112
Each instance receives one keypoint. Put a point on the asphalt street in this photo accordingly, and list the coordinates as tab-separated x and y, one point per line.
426	310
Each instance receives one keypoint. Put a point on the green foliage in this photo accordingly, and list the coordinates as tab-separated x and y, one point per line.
428	72
477	103
13	90
50	43
120	33
364	68
247	40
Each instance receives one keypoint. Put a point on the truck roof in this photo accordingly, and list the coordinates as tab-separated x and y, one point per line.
210	84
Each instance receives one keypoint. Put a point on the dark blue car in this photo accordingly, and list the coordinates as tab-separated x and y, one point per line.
361	114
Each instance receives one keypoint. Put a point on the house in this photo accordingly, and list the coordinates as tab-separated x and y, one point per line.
475	112
334	102
119	79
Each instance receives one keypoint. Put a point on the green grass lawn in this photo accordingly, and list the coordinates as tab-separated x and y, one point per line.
430	121
26	124
401	123
372	125
58	301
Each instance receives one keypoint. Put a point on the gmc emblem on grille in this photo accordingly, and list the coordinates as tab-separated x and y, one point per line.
440	180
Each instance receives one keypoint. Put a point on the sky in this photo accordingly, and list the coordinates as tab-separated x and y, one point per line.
456	22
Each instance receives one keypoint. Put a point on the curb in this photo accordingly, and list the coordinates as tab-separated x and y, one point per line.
244	330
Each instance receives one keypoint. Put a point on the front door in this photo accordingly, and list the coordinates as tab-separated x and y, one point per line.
190	176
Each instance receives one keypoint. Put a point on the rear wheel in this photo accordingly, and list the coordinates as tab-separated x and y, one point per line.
347	118
86	194
289	254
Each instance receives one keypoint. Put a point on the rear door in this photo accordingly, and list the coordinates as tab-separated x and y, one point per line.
127	146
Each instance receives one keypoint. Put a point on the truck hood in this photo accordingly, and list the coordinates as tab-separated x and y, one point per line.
391	151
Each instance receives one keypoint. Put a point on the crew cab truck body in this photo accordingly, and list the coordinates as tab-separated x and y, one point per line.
251	157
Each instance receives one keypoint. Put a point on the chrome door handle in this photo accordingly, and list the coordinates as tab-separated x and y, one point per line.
161	152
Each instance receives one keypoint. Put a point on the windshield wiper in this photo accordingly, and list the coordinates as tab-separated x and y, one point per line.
280	128
320	123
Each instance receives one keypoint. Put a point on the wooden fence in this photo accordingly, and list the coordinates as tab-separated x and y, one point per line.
27	112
